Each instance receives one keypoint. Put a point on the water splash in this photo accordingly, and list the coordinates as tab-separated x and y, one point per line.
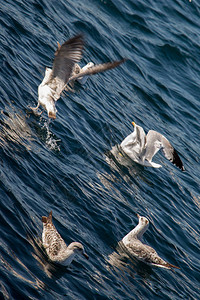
50	140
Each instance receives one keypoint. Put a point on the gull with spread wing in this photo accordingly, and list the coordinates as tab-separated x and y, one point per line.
56	79
142	147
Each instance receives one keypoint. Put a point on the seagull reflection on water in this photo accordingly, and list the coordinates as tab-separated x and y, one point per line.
128	169
51	269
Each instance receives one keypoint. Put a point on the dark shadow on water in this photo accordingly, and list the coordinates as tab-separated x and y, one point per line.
123	264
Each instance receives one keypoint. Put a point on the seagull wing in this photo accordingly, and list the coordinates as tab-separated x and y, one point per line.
141	251
98	68
154	142
147	254
52	240
65	58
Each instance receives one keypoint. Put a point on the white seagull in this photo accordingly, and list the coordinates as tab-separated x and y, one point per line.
56	79
142	147
55	246
132	242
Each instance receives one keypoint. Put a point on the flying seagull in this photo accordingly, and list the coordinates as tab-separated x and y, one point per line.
55	246
142	147
56	79
135	247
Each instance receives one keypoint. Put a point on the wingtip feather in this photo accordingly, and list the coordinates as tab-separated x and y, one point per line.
177	161
171	266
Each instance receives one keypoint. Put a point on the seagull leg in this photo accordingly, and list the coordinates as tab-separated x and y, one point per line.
35	108
39	113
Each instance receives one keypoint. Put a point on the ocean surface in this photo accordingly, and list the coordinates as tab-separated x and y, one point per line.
66	165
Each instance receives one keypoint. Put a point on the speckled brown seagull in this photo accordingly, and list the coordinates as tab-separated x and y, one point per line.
141	147
57	78
135	247
55	246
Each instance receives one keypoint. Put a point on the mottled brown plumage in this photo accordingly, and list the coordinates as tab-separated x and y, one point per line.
133	243
55	246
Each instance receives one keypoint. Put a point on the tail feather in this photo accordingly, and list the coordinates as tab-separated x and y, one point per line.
48	219
168	265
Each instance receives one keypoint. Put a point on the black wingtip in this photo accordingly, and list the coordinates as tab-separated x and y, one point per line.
177	161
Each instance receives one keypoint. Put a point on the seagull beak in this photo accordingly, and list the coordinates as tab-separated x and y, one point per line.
138	215
133	123
86	256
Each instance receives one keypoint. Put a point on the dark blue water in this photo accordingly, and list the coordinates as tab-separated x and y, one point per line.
64	167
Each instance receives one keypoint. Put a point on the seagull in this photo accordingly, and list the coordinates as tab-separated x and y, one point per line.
56	79
142	147
132	242
55	247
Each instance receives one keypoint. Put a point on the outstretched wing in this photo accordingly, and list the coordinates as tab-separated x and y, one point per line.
65	57
98	68
154	142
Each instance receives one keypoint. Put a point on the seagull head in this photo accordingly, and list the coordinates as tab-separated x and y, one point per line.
78	248
142	225
135	127
86	67
142	220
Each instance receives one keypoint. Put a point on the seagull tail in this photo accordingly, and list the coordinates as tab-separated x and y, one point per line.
47	220
168	265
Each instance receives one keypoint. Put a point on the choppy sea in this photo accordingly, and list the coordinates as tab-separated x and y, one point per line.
64	165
